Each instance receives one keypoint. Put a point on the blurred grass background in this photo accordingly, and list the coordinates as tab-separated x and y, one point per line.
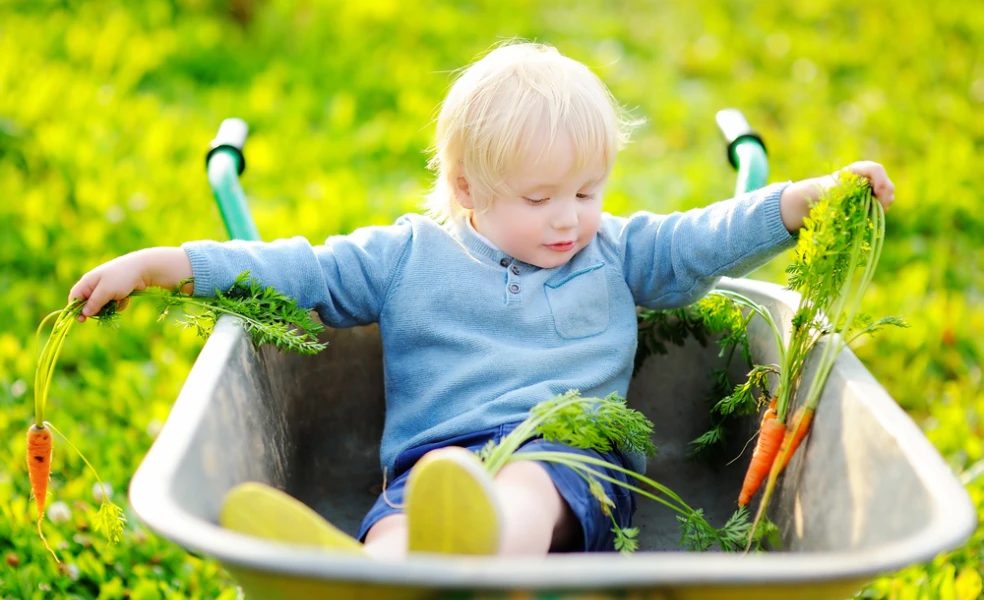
106	109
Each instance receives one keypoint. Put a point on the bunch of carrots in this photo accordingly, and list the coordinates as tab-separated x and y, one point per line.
836	255
268	316
837	252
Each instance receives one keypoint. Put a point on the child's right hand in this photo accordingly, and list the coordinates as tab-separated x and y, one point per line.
116	279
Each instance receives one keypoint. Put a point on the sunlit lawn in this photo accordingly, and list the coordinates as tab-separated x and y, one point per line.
106	109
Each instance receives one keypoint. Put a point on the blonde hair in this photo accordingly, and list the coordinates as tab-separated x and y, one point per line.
500	104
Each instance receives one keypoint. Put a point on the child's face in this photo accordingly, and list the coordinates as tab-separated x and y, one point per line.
554	213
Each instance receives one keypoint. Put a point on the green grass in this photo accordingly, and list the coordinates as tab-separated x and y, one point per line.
106	108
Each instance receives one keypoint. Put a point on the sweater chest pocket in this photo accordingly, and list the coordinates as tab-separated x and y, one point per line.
579	302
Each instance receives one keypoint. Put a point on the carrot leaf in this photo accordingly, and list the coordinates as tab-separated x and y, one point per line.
267	315
597	424
626	540
110	520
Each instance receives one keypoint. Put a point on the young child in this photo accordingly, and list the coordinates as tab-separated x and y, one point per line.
514	289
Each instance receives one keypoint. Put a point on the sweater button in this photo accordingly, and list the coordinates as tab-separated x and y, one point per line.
515	269
514	288
504	262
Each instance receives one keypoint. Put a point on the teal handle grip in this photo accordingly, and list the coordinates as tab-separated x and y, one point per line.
746	150
224	163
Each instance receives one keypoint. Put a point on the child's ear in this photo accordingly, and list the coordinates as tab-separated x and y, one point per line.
462	191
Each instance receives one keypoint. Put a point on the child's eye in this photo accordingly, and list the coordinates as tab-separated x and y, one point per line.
535	201
585	196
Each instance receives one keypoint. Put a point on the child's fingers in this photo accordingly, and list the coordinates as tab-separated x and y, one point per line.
98	298
97	288
881	185
79	292
82	291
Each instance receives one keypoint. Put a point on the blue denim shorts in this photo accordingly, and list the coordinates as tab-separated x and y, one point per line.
595	524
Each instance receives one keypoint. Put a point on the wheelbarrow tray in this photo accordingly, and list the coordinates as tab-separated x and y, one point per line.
866	494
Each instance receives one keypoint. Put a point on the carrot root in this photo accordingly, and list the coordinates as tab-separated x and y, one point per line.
39	469
771	434
39	463
44	541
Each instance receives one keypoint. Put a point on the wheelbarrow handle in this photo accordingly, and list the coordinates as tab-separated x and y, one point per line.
224	163
746	150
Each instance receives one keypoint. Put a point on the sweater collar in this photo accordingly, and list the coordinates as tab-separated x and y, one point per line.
479	246
475	233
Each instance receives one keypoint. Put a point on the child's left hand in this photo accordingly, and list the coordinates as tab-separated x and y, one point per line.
794	205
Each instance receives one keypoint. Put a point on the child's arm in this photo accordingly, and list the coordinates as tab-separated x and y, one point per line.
115	280
346	280
672	260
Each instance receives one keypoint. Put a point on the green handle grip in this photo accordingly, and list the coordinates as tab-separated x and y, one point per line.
224	163
746	150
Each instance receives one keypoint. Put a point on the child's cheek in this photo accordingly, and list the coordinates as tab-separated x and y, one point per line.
590	224
522	227
521	234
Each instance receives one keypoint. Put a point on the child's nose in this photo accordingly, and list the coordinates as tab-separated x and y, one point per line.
566	216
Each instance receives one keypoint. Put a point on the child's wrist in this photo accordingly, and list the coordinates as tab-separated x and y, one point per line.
795	202
166	267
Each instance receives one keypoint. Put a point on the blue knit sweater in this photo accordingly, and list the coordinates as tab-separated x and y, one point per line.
473	338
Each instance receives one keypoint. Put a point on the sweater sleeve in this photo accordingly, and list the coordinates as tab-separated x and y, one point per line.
346	280
672	260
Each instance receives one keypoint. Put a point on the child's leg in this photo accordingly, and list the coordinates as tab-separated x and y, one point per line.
594	522
535	518
388	537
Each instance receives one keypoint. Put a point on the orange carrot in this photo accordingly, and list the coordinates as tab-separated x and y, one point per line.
39	468
772	407
801	426
39	463
771	434
770	412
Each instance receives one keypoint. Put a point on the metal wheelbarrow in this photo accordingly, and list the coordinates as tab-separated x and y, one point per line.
867	494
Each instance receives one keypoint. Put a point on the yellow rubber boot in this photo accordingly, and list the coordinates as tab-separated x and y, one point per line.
266	512
451	506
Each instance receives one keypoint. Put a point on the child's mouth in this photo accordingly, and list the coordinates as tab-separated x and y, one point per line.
561	247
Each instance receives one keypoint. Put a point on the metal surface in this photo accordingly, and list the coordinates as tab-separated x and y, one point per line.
866	494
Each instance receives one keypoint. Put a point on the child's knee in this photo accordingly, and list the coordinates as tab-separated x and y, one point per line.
526	475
